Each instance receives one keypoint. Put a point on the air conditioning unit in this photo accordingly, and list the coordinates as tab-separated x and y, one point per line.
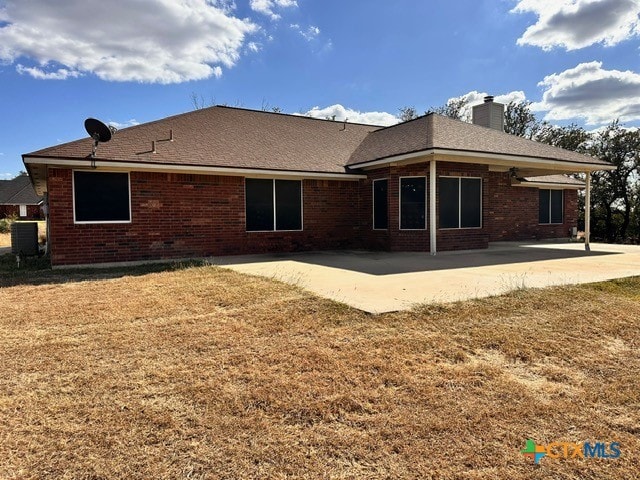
24	238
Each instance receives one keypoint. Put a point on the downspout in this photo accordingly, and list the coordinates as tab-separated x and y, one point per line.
587	213
45	211
432	207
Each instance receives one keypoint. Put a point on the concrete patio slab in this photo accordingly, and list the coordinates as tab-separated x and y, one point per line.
380	282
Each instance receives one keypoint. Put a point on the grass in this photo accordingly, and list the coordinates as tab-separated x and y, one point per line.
200	372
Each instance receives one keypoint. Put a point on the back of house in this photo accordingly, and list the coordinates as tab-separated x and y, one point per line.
226	181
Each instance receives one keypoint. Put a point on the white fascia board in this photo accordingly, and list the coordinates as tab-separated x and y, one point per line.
188	169
487	159
549	186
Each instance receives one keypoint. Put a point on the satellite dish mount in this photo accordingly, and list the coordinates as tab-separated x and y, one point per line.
99	132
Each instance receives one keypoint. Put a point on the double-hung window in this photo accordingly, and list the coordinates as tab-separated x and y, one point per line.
460	202
273	204
550	206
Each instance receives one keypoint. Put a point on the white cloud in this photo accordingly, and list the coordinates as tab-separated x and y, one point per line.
129	123
310	33
476	98
7	176
267	7
575	24
254	47
40	74
341	113
591	93
164	41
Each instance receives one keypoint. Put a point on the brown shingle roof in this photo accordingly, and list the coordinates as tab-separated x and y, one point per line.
250	139
554	180
229	137
439	132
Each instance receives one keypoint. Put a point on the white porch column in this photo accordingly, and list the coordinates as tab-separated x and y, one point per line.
587	212
432	207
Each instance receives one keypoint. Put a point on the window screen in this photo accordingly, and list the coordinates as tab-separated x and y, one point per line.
449	202
460	202
412	203
550	206
544	205
259	204
471	200
260	211
380	204
556	206
288	205
101	197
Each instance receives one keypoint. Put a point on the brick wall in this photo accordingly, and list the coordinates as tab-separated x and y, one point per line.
177	215
508	213
513	212
33	211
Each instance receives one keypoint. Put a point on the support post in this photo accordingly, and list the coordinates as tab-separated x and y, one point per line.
587	213
432	207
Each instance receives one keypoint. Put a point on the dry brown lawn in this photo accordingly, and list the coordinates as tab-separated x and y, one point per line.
5	239
206	373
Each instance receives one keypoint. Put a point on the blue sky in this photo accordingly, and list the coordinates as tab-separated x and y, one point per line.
63	61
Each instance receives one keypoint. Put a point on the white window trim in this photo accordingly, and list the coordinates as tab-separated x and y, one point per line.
426	199
373	202
273	191
22	208
549	222
97	222
460	204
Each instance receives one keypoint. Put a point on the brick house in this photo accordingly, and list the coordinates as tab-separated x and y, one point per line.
224	181
18	198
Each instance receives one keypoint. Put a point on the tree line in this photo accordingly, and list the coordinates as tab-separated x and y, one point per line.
615	195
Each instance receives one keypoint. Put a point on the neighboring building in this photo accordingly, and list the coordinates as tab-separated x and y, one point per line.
18	198
223	181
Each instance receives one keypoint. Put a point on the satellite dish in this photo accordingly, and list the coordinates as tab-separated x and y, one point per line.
99	131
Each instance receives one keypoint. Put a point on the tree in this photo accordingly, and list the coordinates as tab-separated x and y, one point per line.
570	137
614	194
407	113
457	108
520	120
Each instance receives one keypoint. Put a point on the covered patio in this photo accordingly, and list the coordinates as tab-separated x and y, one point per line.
379	282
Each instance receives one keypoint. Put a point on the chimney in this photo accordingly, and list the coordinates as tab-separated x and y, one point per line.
489	114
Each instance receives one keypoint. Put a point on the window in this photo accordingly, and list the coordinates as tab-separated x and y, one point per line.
101	197
23	211
380	204
273	204
460	202
550	206
413	203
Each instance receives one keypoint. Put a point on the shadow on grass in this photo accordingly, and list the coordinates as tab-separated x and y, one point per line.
37	271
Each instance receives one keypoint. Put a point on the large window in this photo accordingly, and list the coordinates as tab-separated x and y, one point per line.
460	202
550	206
380	204
413	203
101	197
273	204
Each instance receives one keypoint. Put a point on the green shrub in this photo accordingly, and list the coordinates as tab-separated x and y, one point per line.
5	225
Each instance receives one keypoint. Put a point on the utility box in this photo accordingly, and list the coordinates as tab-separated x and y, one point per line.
24	238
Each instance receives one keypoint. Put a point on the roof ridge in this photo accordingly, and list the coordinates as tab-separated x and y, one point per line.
300	115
